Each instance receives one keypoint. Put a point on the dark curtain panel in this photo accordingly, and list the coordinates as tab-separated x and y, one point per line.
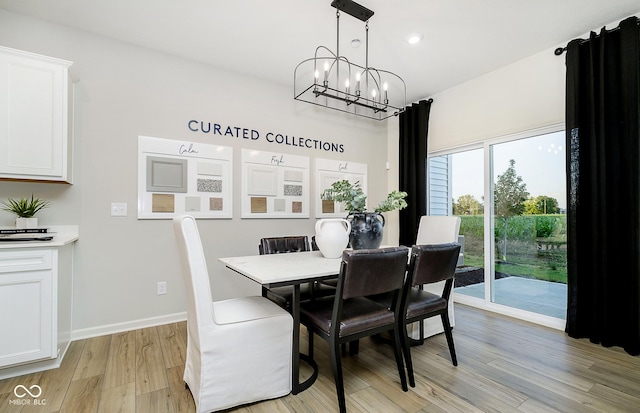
414	128
603	181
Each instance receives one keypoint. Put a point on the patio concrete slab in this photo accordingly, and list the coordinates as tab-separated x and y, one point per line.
542	297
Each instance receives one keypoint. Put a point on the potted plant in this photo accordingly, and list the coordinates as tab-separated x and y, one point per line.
25	209
366	227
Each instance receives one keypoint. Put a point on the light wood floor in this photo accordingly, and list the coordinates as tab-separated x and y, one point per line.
505	365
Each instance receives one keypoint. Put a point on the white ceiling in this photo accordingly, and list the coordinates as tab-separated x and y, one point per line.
462	38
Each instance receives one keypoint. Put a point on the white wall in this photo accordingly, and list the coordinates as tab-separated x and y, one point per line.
522	96
526	95
122	91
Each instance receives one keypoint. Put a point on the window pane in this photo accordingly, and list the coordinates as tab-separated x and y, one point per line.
529	224
456	188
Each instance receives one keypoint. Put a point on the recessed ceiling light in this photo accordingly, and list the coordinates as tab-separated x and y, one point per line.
355	43
415	38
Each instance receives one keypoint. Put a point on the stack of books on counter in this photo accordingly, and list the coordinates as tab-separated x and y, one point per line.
13	234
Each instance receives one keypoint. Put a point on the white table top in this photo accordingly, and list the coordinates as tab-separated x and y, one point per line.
284	268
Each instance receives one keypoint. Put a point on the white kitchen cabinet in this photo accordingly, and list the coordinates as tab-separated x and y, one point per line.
35	304
26	301
35	117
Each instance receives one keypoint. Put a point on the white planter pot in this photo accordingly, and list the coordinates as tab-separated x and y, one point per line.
24	223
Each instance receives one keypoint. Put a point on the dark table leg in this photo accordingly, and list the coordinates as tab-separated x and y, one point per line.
295	354
298	387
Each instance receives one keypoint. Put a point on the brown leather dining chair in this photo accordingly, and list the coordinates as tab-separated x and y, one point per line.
283	295
428	264
349	315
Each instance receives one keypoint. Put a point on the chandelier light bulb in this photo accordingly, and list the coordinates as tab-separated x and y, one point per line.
374	93
316	74
326	73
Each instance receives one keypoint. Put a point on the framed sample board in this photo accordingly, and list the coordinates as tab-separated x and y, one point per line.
274	185
178	177
329	171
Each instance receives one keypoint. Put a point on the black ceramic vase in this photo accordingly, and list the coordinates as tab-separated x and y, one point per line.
366	230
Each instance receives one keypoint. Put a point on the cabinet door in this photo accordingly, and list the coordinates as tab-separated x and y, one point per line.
33	116
27	314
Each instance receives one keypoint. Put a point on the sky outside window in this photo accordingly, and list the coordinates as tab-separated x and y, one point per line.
540	161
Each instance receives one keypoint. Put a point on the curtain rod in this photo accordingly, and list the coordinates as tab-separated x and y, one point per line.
561	50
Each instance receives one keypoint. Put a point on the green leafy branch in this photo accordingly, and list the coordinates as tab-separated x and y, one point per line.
352	197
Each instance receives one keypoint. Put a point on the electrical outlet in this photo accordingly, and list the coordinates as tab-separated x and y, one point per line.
118	209
162	288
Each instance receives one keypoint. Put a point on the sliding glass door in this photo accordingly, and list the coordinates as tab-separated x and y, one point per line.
510	195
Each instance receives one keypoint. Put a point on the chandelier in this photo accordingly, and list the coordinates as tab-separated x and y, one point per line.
332	81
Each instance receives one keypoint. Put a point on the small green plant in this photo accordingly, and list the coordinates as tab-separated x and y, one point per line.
24	207
354	200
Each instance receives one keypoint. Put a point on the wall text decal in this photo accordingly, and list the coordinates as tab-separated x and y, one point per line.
271	137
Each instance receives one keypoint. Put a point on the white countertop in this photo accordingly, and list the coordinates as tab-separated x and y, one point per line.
62	235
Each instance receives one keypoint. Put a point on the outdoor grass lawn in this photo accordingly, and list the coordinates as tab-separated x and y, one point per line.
520	253
541	269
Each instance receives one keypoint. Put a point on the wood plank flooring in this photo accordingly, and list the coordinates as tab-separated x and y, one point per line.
505	365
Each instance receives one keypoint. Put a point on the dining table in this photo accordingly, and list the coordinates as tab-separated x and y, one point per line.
277	270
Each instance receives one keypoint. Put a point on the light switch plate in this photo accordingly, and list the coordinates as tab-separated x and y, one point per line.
118	209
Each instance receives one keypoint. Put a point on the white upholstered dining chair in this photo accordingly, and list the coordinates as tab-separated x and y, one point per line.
438	229
238	350
435	230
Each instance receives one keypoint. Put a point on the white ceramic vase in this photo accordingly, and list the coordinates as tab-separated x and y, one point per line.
24	223
332	236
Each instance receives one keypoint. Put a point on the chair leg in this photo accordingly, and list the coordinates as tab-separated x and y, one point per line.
421	339
395	342
336	364
310	340
406	350
354	347
449	335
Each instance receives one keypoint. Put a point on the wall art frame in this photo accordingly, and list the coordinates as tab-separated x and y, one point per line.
274	185
328	171
181	177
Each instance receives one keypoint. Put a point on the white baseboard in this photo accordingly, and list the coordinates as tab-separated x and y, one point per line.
126	326
34	367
